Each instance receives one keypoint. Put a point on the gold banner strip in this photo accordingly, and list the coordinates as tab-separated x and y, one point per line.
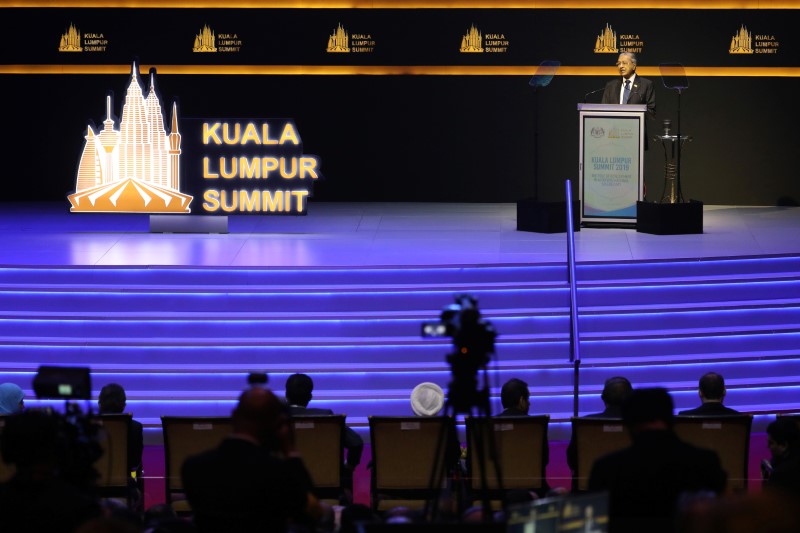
410	4
384	70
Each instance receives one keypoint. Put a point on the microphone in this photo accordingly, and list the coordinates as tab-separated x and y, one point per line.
587	95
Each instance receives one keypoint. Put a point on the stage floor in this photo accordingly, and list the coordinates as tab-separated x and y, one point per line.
374	234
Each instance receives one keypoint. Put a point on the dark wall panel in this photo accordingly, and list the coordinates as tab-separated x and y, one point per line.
423	138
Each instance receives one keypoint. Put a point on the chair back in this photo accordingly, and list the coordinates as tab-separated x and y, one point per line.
185	436
320	441
405	451
594	438
520	447
6	470
729	436
112	466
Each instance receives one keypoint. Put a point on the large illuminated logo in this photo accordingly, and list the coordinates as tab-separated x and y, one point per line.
135	168
606	42
472	42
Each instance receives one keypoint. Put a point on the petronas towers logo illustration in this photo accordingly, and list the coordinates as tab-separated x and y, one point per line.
606	41
136	168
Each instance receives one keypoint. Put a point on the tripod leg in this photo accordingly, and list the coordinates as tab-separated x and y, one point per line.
440	466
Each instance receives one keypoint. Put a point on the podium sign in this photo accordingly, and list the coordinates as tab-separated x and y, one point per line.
610	168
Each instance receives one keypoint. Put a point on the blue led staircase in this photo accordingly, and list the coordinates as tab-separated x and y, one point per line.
182	340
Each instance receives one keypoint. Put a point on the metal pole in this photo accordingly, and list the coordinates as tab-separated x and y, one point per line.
574	339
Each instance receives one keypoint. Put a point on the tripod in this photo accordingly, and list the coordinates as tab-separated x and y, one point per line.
464	398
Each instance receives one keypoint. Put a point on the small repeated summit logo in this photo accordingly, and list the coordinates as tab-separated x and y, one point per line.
606	42
472	42
205	41
71	40
742	42
338	41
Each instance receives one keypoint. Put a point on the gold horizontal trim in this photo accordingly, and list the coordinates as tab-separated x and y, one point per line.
411	4
386	70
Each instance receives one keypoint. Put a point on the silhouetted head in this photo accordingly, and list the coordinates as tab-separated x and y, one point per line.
298	389
261	415
11	396
648	409
615	391
515	395
712	387
112	399
783	435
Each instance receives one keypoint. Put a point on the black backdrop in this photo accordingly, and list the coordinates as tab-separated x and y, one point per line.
417	137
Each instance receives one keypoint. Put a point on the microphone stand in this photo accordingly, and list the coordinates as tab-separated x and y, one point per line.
533	215
680	143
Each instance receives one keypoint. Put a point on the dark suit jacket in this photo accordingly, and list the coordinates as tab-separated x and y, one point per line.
135	446
353	442
642	92
645	480
241	487
710	409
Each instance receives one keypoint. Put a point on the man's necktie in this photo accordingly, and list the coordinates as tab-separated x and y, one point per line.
626	94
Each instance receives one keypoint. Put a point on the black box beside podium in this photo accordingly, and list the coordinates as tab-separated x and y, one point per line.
657	219
669	219
546	217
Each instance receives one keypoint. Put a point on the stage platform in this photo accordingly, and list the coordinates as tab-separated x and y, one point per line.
180	319
374	234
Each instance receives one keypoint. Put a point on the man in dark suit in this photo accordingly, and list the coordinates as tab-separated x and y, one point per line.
252	481
299	391
615	391
113	400
712	393
646	480
516	400
630	88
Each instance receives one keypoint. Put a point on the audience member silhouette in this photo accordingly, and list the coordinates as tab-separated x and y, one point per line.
41	496
11	399
253	481
712	393
515	398
299	391
615	391
646	480
112	400
783	469
427	399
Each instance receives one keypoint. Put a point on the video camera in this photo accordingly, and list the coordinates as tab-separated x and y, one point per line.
473	339
72	437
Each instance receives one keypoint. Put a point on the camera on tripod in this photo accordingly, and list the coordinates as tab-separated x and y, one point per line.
70	438
473	339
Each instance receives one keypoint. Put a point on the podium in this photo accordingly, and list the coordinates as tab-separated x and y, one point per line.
611	163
